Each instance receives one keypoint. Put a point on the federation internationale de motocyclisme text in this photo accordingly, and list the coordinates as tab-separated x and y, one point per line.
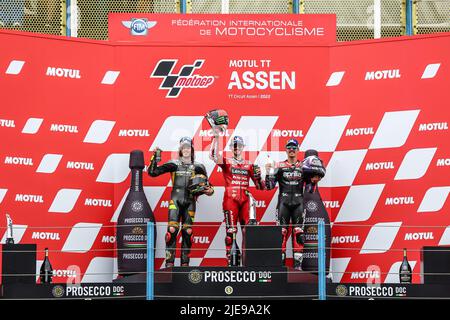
235	23
253	27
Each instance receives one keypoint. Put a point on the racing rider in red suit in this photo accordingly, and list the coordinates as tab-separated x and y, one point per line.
237	173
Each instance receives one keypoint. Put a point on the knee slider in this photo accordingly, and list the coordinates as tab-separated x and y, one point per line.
228	241
298	232
172	229
171	234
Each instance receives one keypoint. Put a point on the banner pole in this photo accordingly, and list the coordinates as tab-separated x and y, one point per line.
409	19
225	6
150	261
183	6
66	17
321	254
377	19
296	6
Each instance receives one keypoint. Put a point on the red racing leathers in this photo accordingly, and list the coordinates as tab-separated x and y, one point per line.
237	174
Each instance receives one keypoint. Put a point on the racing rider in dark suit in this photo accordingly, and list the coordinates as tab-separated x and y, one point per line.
182	204
237	173
289	175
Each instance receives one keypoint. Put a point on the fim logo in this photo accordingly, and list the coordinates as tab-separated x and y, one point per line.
174	82
139	27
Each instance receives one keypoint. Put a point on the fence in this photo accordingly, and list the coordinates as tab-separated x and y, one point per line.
356	19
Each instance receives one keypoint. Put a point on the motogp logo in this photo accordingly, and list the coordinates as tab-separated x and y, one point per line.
139	27
175	82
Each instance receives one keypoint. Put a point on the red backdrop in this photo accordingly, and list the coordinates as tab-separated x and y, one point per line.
72	110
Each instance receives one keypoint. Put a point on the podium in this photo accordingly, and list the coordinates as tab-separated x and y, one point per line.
261	246
435	265
18	264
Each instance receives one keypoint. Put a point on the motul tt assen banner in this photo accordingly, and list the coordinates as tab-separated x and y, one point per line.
267	29
376	111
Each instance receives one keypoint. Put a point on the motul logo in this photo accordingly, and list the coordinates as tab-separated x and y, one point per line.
419	236
359	132
331	204
108	239
209	133
365	275
399	200
134	133
63	128
287	133
260	204
433	126
164	204
198	240
63	73
379	166
443	162
45	236
7	123
345	239
175	82
65	273
80	165
383	74
97	203
19	161
29	198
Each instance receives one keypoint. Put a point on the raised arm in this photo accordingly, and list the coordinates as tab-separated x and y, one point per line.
215	154
154	170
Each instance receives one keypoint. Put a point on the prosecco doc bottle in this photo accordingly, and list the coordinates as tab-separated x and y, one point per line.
131	231
405	270
46	269
235	255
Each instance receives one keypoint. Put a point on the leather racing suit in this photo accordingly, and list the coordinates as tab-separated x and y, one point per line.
181	206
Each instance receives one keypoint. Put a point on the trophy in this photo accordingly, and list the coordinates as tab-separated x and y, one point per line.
9	230
218	120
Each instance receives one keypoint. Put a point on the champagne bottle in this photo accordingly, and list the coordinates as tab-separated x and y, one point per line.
405	270
46	269
131	231
235	254
270	161
9	230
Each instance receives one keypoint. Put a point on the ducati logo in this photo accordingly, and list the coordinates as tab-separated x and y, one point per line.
185	78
